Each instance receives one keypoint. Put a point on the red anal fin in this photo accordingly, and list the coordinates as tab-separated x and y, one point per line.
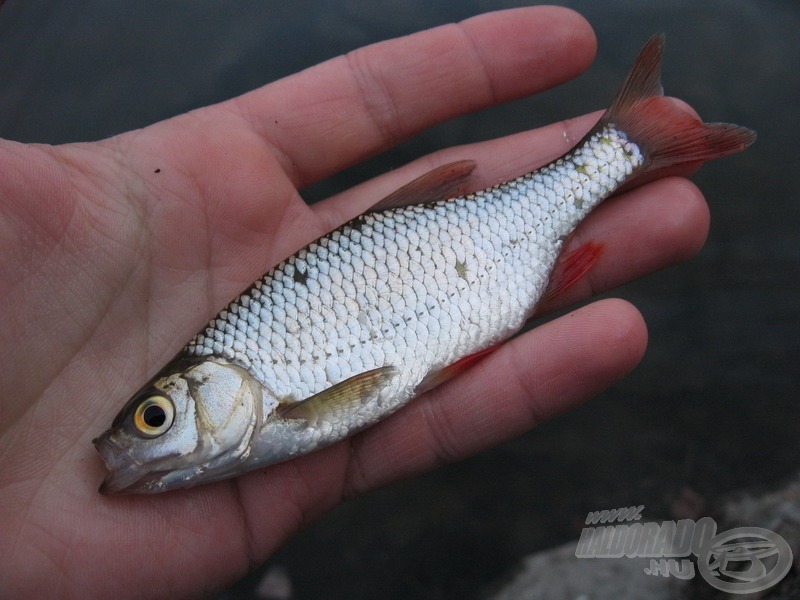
571	268
447	181
437	378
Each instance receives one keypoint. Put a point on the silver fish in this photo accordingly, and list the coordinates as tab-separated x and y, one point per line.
358	323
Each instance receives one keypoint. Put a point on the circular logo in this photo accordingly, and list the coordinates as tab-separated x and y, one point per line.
745	560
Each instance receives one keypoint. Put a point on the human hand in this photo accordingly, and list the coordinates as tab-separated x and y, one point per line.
113	254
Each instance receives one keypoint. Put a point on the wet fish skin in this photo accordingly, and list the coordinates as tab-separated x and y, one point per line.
355	325
416	288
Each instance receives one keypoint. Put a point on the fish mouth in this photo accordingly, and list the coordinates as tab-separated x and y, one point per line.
125	474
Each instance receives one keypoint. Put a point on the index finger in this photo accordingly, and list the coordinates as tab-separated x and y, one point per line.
348	108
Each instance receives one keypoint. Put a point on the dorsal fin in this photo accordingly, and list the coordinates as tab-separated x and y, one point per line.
441	183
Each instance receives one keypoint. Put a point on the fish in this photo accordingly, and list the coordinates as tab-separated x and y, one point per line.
392	304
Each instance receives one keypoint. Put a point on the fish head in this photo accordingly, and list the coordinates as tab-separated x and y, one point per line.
193	423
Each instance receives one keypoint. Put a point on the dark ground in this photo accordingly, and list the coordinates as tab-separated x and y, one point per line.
713	407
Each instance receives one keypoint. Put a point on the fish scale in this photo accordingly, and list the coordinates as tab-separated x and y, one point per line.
392	304
416	288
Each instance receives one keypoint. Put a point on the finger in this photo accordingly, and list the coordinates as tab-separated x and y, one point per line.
528	380
356	105
497	160
642	231
525	382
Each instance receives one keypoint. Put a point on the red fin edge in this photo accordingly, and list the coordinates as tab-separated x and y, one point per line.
437	378
665	132
571	268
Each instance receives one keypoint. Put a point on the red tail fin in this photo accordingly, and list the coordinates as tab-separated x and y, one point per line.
666	134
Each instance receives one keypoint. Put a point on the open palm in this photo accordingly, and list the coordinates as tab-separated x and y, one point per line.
113	254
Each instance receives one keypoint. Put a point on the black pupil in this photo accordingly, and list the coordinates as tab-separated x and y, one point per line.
154	416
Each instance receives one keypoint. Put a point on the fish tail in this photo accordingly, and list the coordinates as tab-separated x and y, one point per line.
667	135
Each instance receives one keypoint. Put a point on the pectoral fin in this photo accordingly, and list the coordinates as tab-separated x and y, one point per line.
338	398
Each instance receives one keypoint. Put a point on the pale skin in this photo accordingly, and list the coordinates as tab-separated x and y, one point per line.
108	267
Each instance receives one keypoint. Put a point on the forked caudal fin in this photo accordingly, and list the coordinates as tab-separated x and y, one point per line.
666	134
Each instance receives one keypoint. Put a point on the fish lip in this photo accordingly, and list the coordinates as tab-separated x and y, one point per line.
112	485
116	483
126	475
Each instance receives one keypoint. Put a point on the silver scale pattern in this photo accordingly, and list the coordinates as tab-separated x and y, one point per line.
417	287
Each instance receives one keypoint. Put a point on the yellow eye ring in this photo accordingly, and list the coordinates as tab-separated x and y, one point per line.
154	416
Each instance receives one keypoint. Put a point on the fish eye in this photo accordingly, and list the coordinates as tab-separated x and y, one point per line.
154	416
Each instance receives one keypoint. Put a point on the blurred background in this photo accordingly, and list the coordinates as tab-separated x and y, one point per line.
713	408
